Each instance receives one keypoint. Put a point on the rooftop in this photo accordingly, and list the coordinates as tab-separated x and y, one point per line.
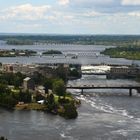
27	79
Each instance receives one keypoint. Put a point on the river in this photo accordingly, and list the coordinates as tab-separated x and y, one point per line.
87	54
103	114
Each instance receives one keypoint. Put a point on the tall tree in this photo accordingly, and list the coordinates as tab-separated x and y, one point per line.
59	88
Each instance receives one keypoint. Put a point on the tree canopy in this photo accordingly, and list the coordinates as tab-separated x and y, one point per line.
59	88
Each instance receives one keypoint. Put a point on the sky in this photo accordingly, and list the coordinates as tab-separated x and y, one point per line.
70	16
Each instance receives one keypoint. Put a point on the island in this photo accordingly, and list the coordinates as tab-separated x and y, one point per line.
52	52
128	51
38	92
14	53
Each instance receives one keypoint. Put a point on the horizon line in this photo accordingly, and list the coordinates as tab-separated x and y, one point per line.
67	34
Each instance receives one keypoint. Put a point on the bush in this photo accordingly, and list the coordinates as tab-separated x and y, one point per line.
70	111
7	101
51	106
63	100
2	138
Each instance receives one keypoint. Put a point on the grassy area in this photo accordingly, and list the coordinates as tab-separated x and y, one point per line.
56	97
15	90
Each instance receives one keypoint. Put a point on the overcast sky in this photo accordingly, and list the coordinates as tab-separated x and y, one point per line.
70	16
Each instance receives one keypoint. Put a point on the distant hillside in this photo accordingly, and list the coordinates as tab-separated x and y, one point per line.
74	39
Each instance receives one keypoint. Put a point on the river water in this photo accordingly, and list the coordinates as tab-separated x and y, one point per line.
103	114
87	54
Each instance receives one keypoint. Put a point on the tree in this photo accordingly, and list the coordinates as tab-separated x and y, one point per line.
70	111
18	79
74	73
15	79
25	96
9	101
2	138
3	88
62	73
50	102
50	99
37	78
48	84
59	88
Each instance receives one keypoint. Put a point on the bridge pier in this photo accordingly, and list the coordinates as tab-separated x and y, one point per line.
82	91
138	90
130	92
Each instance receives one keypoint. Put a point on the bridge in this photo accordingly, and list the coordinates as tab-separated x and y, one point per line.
85	87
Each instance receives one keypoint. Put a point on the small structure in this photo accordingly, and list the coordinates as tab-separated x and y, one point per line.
41	102
40	89
28	84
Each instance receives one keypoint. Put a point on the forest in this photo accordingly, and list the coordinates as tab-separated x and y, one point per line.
29	39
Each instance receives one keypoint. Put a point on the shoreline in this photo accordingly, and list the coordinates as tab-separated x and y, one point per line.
42	107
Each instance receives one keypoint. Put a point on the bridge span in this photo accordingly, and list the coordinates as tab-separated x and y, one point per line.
85	87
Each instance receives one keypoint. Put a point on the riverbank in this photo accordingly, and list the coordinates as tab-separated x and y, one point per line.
127	52
66	108
30	106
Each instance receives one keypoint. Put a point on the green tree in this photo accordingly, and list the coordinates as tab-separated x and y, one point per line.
10	101
50	102
62	73
2	138
48	83
74	73
50	99
37	78
70	111
59	88
25	96
12	79
3	88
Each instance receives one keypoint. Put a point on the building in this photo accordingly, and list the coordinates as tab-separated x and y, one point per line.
28	84
124	72
7	68
23	68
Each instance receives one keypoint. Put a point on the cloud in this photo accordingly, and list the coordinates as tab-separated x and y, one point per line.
92	14
134	14
96	5
131	2
63	2
106	6
25	12
92	3
67	16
